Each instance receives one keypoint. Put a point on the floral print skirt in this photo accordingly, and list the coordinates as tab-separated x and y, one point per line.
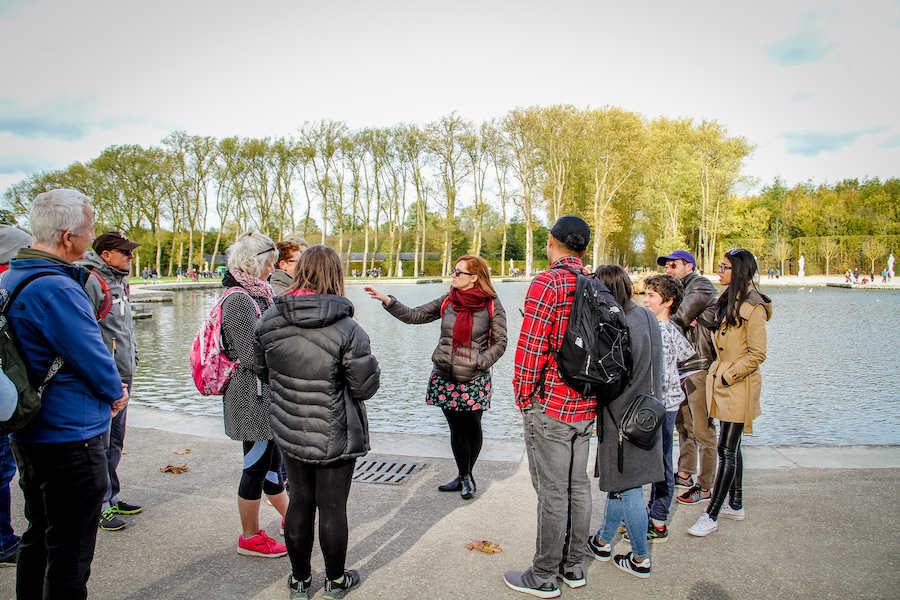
452	395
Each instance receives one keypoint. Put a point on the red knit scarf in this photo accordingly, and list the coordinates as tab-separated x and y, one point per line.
466	302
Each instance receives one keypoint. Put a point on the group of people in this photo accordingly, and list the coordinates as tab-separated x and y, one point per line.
305	369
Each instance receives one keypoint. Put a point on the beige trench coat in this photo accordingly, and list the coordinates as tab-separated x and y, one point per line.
734	382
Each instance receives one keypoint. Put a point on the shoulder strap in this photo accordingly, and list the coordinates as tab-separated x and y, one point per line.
14	294
239	289
444	305
105	306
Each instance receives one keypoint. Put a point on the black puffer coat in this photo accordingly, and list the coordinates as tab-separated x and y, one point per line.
488	337
320	369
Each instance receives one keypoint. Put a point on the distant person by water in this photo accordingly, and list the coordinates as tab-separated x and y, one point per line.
473	338
734	381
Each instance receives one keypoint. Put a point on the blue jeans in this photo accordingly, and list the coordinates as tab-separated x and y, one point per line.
557	459
626	506
661	492
8	539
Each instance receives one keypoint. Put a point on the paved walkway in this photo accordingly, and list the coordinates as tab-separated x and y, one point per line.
818	526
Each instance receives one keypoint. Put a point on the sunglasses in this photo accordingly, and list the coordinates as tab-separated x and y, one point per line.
272	249
125	252
672	264
456	272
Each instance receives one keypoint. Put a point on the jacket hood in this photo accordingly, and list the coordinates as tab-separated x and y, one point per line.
313	311
95	261
755	299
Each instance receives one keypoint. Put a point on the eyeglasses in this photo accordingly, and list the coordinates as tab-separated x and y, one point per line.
272	249
672	264
724	267
456	272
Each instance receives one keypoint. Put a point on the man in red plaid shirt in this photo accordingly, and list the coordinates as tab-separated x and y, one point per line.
557	422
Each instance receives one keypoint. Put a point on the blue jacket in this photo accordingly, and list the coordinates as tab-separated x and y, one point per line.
51	316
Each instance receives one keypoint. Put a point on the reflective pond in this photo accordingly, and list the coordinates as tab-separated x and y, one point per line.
830	375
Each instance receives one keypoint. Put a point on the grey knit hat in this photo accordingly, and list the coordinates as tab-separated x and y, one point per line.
11	240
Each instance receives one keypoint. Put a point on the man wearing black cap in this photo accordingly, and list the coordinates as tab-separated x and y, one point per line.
557	421
696	431
107	288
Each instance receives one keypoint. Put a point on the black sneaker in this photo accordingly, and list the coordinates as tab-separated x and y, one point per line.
336	591
529	583
654	535
299	589
683	483
110	522
627	563
572	576
601	552
123	508
9	559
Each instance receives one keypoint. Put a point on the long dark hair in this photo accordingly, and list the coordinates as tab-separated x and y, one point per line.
617	280
743	270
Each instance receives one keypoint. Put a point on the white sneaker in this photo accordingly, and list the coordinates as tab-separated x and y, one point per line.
729	513
704	526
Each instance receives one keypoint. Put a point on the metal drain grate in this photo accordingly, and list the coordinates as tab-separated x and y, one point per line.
384	471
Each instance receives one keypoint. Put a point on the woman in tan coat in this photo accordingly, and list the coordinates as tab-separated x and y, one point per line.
734	381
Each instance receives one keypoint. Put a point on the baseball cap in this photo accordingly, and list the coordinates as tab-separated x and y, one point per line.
678	254
573	232
12	239
113	240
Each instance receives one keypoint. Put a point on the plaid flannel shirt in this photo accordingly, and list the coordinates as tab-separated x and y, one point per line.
547	307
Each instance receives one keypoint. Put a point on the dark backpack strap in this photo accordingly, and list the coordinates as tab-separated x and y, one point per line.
14	294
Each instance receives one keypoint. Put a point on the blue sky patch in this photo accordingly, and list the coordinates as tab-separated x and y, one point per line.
805	46
812	143
891	142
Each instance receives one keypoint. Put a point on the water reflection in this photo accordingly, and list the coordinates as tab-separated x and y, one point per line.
828	378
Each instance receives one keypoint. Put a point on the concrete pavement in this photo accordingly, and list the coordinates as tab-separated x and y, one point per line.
819	525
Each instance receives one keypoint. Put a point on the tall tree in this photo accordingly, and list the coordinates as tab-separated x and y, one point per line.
449	161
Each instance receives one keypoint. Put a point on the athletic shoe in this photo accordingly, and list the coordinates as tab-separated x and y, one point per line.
573	576
299	589
529	583
261	545
110	522
654	535
683	483
735	514
123	508
704	526
336	591
601	552
694	495
627	563
9	559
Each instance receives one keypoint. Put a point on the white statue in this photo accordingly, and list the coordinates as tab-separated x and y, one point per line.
399	268
802	262
891	265
512	265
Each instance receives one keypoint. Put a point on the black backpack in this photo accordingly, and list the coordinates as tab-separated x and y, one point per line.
13	365
594	358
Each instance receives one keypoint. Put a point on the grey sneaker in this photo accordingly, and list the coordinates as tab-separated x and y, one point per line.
336	591
572	576
529	583
9	559
299	589
110	522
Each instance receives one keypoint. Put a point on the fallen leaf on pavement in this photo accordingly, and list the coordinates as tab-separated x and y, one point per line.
174	469
185	451
484	546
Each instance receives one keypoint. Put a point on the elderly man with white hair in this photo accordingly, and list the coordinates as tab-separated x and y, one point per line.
60	453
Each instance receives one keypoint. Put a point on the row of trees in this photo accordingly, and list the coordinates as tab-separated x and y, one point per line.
643	185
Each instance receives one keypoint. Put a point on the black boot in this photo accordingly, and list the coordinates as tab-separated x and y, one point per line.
452	486
468	487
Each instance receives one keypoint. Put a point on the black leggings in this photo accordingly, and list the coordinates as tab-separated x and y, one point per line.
262	471
465	437
325	488
730	477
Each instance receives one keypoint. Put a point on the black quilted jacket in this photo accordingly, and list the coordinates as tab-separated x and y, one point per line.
320	369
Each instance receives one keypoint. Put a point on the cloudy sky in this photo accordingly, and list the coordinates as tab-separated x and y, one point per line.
812	84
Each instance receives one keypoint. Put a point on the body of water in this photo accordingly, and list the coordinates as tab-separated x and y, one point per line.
829	377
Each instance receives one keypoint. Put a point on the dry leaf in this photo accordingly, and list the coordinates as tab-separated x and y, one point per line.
124	452
185	451
174	469
484	546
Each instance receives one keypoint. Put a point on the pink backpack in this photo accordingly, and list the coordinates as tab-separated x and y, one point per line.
210	367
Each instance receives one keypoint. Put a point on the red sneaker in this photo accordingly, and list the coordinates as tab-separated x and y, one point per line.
261	545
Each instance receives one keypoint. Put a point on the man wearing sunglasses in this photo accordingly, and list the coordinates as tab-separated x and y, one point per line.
107	287
696	431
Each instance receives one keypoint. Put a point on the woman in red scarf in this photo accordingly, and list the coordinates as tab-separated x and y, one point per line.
473	338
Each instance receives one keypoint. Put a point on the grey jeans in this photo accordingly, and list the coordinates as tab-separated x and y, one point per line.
557	459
